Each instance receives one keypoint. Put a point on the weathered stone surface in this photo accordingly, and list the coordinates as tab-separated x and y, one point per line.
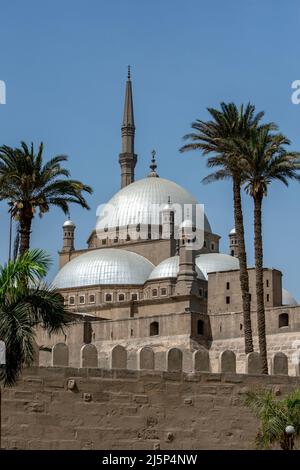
227	361
111	412
174	360
146	358
36	355
88	356
201	361
280	364
253	363
118	357
60	355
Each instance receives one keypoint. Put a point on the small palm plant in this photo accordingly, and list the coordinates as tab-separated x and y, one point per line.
25	303
275	416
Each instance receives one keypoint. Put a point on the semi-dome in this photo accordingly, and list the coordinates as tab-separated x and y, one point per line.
287	298
216	262
133	204
169	268
232	231
104	266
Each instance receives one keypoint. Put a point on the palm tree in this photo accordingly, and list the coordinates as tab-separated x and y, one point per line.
275	415
212	137
24	306
264	159
29	185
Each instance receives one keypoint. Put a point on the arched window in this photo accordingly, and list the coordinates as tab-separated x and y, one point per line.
200	327
232	253
283	320
108	297
154	328
121	297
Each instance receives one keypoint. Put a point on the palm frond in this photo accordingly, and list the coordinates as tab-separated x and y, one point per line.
25	303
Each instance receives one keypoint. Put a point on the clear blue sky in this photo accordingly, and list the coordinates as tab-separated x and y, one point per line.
64	64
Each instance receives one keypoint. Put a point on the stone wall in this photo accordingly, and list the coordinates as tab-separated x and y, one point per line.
64	408
101	354
287	343
227	284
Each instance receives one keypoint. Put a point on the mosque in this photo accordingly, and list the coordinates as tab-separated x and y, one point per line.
139	283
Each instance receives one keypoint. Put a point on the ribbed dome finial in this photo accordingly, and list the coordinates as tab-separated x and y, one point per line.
153	165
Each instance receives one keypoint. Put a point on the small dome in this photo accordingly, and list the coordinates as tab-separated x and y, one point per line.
69	223
104	266
167	207
169	268
287	298
216	262
187	223
232	231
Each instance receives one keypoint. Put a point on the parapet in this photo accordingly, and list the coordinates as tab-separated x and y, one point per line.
170	360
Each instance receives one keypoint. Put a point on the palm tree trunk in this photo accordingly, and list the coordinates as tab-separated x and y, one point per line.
244	277
259	274
25	230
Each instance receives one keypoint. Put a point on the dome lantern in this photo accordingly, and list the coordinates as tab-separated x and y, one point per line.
153	166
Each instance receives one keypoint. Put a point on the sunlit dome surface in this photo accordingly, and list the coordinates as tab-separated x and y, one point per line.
104	266
216	262
169	268
68	223
133	204
287	298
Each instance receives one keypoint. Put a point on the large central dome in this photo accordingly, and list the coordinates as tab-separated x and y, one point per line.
133	204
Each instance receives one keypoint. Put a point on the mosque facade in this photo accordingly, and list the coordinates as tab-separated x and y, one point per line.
159	279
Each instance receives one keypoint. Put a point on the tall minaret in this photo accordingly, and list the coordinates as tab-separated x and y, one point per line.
127	157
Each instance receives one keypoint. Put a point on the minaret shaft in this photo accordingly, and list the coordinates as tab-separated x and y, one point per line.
127	158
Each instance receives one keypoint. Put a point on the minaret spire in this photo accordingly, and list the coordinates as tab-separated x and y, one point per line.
128	158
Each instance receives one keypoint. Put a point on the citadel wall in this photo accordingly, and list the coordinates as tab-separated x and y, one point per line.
90	408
